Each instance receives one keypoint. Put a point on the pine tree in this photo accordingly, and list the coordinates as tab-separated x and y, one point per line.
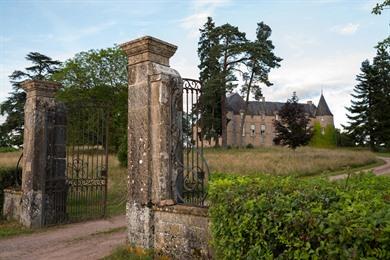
381	79
11	131
293	127
209	53
260	60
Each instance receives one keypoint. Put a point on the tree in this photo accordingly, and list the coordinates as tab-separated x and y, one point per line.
378	9
361	112
209	53
259	63
220	52
98	77
369	119
11	131
293	128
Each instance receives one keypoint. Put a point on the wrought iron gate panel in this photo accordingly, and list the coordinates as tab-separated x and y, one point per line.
189	164
77	163
87	162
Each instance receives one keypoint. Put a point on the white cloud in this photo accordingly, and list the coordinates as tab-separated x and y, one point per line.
347	29
200	10
335	74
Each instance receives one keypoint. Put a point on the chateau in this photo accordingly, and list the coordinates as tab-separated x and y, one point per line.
259	129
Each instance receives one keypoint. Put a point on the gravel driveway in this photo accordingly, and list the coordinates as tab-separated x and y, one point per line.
88	240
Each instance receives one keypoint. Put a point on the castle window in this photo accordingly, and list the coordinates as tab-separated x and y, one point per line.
276	117
243	131
262	129
253	128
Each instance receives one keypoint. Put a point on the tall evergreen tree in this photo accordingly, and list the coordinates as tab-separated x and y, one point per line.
260	60
369	113
362	125
11	131
293	127
209	53
381	68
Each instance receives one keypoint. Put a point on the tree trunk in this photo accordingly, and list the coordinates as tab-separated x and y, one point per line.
245	110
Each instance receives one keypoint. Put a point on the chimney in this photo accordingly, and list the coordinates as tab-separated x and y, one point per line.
262	99
310	102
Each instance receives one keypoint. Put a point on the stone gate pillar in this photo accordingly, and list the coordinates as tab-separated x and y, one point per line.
40	99
151	81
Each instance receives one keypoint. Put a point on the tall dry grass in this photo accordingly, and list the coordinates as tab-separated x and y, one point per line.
304	161
9	159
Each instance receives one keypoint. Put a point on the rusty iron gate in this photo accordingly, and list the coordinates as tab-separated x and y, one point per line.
77	163
190	167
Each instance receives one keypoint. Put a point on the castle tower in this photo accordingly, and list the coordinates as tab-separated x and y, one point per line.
323	114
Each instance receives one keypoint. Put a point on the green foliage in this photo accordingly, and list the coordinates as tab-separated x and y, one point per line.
7	149
323	138
8	177
98	77
287	218
379	7
130	253
11	131
293	127
249	146
223	51
369	117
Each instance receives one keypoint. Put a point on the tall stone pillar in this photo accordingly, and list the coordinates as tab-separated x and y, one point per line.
40	99
151	82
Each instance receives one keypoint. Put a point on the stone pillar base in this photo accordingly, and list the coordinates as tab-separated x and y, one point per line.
31	209
12	204
139	225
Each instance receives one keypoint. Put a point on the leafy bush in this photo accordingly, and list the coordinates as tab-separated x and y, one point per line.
284	217
7	179
249	146
323	138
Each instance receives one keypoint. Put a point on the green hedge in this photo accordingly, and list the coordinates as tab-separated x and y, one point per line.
285	218
7	179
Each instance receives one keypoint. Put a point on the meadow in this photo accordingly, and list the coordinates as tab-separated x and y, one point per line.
304	161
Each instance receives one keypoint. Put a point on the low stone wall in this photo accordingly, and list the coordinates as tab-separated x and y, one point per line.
12	204
182	232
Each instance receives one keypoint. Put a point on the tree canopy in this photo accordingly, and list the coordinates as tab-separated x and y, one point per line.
369	117
293	127
224	51
43	67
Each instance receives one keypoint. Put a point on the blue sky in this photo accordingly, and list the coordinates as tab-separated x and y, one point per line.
322	42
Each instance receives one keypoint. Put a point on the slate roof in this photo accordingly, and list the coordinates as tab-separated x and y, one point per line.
323	109
235	103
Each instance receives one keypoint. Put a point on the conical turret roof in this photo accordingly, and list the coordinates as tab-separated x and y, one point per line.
322	108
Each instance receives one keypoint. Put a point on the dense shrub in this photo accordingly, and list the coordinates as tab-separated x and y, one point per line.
325	138
283	217
7	180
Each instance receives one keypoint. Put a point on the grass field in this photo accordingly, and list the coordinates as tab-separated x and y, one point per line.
305	161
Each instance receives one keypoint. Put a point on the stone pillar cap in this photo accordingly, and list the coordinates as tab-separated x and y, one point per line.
148	48
35	84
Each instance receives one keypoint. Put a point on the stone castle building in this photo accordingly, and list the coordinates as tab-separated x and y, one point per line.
259	127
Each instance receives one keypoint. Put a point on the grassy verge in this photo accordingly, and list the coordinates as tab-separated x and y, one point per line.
305	161
383	154
12	228
129	253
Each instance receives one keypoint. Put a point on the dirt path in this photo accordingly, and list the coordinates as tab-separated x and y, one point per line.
89	240
379	170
